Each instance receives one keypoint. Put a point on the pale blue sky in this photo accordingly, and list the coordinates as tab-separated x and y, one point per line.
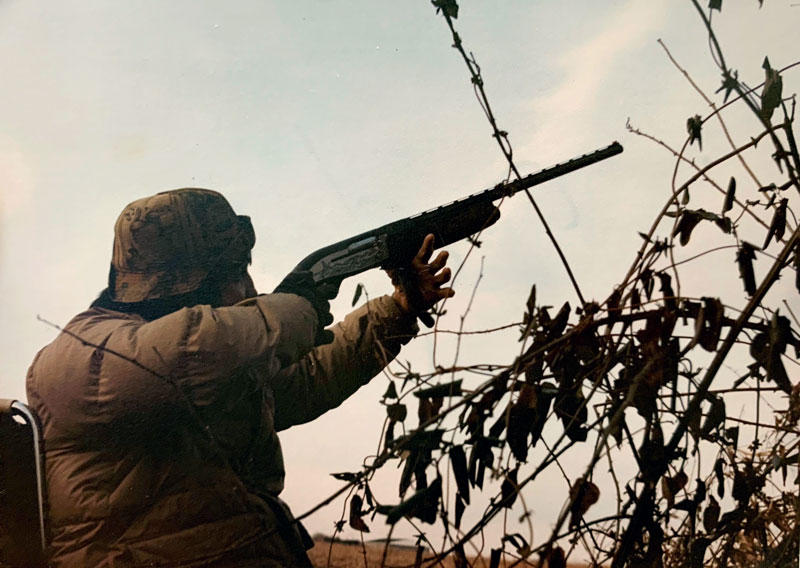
324	119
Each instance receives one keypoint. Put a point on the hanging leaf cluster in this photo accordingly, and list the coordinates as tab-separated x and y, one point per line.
640	375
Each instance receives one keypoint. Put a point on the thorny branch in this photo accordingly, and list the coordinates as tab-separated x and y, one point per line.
501	136
630	361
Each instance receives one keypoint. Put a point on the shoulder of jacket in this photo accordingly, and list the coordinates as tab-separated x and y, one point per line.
89	326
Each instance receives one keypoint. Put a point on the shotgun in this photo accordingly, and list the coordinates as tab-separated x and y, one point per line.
393	246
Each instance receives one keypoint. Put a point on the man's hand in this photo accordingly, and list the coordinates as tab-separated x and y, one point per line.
302	284
418	286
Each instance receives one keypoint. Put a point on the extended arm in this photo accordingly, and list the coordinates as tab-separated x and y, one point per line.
364	343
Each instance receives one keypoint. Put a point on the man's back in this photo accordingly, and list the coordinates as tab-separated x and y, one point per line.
132	477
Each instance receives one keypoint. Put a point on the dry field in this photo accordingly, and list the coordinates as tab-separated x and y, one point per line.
350	555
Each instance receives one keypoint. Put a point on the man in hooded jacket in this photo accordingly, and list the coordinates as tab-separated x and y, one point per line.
160	405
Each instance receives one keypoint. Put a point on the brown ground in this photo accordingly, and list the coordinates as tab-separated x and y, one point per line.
351	555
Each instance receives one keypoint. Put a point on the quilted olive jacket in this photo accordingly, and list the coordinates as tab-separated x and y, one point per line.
160	437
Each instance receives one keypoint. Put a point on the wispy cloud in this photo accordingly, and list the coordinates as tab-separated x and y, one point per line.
567	110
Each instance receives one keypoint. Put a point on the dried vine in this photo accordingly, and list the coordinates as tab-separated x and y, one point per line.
641	376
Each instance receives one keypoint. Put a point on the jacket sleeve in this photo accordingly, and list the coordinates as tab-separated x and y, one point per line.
129	371
364	343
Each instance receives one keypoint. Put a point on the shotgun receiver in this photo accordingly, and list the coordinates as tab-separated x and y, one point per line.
395	244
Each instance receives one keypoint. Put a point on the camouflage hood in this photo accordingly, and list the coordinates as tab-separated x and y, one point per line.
167	244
